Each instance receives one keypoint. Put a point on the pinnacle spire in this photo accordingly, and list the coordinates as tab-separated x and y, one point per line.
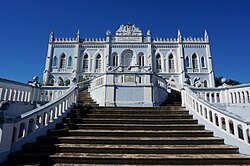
51	36
179	32
179	35
78	35
78	32
206	36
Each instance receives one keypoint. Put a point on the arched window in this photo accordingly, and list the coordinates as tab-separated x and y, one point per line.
171	62
205	83
202	62
63	61
115	59
195	61
85	63
158	62
187	62
55	61
98	62
141	59
70	61
127	57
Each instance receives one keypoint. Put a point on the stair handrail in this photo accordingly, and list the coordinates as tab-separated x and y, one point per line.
16	131
226	95
14	91
161	82
234	129
174	85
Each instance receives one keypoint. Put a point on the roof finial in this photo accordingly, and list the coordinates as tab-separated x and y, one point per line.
51	36
78	32
78	35
179	35
206	36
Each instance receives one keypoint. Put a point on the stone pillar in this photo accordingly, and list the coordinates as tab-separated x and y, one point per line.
245	134
209	65
246	97
181	63
236	132
76	62
6	140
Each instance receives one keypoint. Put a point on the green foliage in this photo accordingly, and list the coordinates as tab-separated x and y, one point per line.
84	79
67	82
228	82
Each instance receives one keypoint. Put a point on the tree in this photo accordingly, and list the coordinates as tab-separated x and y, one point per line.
228	81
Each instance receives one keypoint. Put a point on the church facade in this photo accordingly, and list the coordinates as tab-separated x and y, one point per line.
178	59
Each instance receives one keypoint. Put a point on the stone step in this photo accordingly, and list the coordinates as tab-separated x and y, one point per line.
170	107
130	121
140	116
88	104
149	159
131	140
130	149
84	101
133	133
145	112
133	126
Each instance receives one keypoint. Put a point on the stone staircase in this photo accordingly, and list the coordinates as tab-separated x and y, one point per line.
93	135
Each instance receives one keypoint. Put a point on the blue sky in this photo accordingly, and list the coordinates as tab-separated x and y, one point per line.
25	26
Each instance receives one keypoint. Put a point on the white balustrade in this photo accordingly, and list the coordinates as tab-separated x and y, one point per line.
228	95
50	93
15	92
27	126
125	87
36	122
233	128
230	126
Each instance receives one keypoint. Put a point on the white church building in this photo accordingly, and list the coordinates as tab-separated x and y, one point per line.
128	69
180	59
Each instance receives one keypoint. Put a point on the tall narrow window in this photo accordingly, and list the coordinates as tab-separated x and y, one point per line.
141	59
115	59
202	62
85	63
205	83
158	62
171	62
195	61
70	61
63	61
187	62
55	61
98	62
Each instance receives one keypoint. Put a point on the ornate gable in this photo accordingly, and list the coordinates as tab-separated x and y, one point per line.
128	33
128	30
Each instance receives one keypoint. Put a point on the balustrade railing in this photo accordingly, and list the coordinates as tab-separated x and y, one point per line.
227	95
50	93
16	92
16	131
27	126
233	128
161	82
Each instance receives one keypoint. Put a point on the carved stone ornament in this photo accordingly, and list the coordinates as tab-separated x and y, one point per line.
128	30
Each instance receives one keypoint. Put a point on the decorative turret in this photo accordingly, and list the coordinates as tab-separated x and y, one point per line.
108	35
51	36
78	36
148	33
179	36
149	36
206	36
